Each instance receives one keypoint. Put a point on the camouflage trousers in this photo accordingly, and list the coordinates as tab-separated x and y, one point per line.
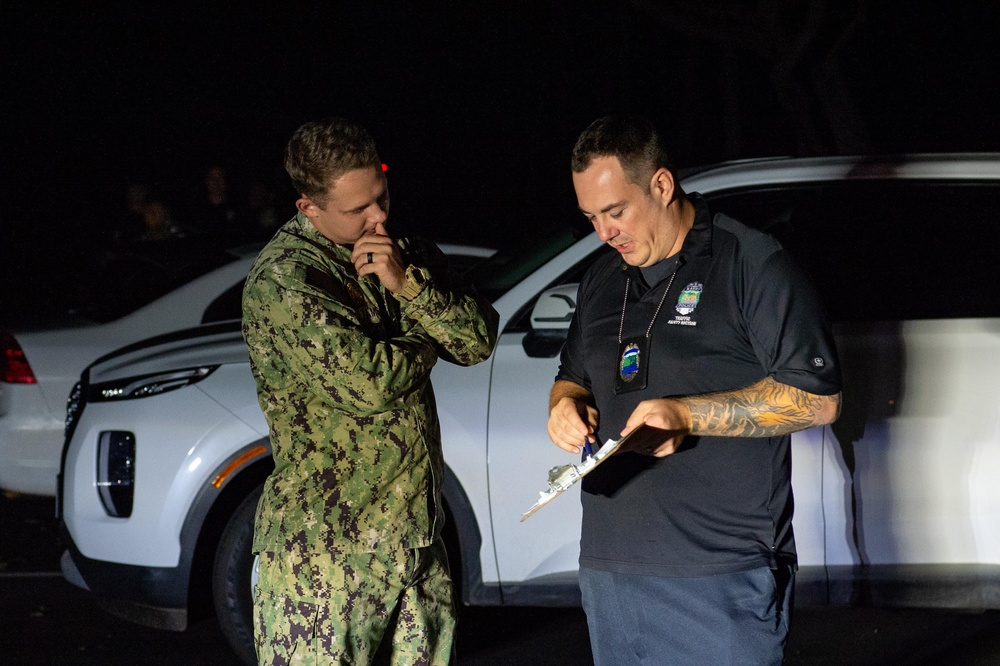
338	608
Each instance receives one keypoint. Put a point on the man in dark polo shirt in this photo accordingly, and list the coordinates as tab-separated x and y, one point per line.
704	329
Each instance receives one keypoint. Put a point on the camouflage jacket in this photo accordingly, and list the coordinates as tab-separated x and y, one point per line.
343	378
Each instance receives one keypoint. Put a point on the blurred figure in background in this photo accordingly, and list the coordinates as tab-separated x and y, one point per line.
158	223
147	217
215	213
132	220
262	209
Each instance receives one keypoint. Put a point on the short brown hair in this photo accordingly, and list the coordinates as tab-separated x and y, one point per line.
633	140
320	152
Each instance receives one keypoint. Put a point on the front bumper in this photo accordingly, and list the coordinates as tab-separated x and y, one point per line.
151	596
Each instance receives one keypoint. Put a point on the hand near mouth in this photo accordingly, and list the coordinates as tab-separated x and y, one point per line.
377	254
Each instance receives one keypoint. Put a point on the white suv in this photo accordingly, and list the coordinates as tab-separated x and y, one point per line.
896	502
133	295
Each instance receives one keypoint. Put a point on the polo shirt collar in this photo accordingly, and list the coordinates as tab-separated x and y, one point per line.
697	243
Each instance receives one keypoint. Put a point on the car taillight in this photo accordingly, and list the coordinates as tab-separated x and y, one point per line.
14	368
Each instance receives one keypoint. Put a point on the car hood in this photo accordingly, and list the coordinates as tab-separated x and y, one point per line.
212	344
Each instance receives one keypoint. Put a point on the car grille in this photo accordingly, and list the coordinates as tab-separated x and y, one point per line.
73	405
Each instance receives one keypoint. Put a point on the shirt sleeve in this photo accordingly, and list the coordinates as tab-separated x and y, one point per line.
462	324
788	326
571	359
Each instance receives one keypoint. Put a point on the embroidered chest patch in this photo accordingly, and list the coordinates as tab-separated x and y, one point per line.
688	300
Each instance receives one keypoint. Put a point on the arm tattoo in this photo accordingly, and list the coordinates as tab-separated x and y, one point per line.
765	409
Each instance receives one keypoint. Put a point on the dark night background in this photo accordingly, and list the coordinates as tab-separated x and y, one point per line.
475	106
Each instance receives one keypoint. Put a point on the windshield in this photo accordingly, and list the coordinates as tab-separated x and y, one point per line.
497	275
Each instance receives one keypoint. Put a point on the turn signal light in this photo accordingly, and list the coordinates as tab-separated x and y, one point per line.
116	472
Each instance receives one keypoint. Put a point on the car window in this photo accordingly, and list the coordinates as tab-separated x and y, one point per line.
886	250
462	263
121	280
227	305
496	275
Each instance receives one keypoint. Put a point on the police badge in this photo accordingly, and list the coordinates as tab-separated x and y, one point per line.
632	366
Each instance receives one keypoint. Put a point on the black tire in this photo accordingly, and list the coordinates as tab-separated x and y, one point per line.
231	579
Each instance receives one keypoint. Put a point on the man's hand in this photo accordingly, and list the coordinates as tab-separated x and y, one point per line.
572	416
671	416
386	261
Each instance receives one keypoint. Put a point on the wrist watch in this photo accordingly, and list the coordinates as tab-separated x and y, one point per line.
415	281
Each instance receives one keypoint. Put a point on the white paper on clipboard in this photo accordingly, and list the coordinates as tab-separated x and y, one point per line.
563	477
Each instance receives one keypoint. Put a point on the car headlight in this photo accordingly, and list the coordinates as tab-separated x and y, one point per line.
147	385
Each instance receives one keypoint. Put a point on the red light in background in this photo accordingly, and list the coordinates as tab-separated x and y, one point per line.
14	368
385	167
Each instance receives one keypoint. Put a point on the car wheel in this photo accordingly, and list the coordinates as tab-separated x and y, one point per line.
231	579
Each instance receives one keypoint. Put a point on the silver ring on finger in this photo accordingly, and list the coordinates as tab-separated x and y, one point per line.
369	257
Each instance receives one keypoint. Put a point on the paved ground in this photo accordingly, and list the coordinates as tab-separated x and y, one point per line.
44	620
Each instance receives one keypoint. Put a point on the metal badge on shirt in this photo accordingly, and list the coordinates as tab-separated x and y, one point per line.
633	366
633	354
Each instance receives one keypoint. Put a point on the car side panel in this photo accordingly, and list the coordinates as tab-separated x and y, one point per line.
809	449
521	454
462	396
919	444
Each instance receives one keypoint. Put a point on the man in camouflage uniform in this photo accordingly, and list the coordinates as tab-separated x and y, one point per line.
344	324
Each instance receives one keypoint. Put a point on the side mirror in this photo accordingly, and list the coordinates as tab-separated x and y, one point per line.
555	308
550	320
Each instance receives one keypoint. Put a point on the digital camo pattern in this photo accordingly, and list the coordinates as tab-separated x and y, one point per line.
337	609
342	369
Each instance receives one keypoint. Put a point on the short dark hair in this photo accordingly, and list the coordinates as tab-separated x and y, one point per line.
320	152
634	140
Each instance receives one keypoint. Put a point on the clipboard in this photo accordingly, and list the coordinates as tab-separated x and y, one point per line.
563	477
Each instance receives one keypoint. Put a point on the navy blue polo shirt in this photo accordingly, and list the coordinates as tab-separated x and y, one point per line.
738	310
